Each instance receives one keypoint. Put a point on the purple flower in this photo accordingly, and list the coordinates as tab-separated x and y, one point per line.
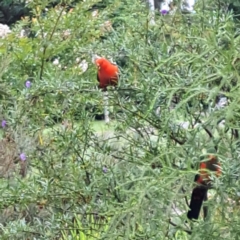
164	12
104	169
28	84
4	123
23	157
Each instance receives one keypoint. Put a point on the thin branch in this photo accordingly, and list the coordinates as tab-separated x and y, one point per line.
46	46
175	225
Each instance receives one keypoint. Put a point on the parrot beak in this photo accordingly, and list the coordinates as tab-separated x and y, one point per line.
94	58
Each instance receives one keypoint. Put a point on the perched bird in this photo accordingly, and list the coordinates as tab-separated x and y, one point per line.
107	75
199	193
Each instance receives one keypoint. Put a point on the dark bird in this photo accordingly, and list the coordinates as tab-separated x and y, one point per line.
199	193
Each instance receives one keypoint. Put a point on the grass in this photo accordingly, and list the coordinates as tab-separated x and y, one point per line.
101	126
97	126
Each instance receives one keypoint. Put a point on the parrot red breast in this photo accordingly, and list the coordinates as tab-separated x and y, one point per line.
199	193
107	74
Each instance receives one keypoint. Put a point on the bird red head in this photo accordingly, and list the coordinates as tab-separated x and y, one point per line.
102	62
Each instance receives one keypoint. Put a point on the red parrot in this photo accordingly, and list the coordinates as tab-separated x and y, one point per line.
107	73
199	193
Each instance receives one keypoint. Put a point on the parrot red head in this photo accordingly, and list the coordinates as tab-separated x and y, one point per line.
103	63
100	62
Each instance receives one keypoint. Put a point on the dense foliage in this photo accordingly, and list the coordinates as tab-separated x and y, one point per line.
66	176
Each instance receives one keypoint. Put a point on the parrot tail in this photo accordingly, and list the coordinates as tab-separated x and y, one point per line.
199	194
